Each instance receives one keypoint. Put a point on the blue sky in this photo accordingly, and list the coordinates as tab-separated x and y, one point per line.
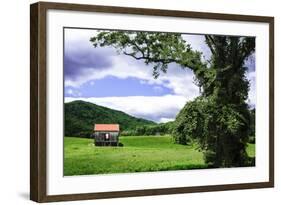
113	86
104	77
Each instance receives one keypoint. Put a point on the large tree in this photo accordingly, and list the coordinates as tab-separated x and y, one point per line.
220	116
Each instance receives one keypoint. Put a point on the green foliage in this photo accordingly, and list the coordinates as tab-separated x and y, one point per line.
190	122
81	116
157	129
221	131
252	138
219	119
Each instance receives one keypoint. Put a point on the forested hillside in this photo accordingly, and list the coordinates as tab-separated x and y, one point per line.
80	117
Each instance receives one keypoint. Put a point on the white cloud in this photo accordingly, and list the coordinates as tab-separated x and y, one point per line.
73	93
164	120
69	91
251	76
158	89
197	43
156	108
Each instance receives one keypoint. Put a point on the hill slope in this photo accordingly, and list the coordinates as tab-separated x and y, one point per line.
80	117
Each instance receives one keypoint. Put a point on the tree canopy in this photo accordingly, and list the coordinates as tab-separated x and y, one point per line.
159	49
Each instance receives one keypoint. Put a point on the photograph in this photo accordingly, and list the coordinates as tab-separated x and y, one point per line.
129	101
151	101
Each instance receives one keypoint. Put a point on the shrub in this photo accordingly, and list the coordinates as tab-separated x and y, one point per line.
190	122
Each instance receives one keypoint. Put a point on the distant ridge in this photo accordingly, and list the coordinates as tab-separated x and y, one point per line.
80	116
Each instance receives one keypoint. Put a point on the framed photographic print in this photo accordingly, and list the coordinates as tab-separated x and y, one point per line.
135	102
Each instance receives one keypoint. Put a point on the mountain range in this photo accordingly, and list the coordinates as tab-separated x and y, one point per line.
80	117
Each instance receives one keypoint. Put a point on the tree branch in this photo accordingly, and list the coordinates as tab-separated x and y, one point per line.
211	43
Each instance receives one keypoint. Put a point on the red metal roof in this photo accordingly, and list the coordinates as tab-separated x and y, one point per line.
106	127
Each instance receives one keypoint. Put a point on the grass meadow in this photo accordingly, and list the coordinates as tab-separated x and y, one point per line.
139	154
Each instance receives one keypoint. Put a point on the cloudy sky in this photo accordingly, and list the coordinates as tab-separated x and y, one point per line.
101	76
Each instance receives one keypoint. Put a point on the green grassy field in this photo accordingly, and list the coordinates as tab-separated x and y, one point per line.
139	154
251	150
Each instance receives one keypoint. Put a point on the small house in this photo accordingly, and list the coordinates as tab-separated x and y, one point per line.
106	134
